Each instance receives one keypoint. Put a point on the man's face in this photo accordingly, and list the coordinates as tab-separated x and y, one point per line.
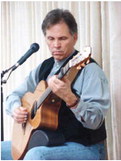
60	41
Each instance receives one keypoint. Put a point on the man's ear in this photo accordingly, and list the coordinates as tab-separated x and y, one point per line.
75	36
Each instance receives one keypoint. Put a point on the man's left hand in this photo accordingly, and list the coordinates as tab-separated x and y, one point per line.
62	88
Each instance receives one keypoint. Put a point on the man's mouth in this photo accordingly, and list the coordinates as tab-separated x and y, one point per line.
57	52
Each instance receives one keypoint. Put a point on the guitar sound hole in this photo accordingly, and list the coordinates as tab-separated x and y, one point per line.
34	110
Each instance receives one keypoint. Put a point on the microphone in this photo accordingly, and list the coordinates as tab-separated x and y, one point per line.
33	48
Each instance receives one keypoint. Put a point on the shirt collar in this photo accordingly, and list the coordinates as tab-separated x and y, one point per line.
59	63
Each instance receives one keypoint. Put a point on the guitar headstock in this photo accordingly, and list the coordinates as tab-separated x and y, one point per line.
81	59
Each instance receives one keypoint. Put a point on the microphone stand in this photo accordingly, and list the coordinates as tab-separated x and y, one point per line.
33	48
4	82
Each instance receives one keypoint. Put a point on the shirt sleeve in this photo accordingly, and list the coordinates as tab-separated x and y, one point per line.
28	85
92	86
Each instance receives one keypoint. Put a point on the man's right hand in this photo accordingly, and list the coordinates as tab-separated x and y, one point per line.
20	115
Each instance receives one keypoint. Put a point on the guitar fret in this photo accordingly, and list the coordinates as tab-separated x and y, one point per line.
63	71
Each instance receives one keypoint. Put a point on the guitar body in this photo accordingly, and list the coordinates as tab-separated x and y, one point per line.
46	116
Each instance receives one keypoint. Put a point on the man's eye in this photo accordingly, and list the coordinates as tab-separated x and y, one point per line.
63	38
50	38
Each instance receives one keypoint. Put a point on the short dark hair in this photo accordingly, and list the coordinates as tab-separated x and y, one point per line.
59	15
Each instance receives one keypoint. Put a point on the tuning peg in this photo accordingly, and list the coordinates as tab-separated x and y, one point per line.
87	62
80	66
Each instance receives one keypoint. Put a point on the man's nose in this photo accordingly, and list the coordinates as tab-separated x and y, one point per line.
57	44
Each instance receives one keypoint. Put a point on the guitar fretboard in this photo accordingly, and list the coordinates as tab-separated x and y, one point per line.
61	74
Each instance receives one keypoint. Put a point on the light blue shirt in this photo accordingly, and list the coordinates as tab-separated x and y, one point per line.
91	85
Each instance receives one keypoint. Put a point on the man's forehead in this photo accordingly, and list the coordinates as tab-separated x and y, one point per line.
58	29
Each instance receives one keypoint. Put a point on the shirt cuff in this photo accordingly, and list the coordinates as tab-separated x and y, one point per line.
90	116
13	107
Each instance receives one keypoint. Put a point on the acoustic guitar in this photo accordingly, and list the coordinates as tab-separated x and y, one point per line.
43	107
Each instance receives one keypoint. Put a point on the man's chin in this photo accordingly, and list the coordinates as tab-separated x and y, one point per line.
58	57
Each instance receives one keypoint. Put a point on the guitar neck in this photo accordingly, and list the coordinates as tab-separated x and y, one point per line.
61	74
63	71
